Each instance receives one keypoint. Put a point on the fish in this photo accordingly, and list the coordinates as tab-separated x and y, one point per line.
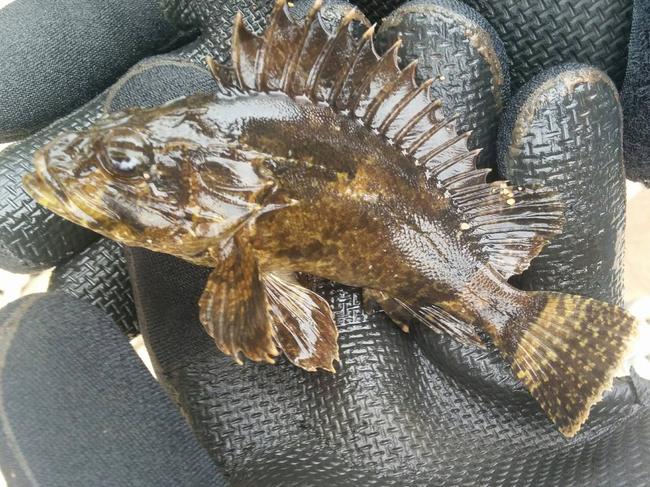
318	156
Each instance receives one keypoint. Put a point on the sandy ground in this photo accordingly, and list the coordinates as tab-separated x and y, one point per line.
637	245
637	271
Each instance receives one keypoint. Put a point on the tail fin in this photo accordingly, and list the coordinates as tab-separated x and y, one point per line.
566	352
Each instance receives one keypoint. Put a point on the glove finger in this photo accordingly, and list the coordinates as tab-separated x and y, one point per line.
541	34
636	97
98	275
439	34
332	12
72	58
451	41
71	386
96	278
214	19
378	9
31	237
464	56
564	130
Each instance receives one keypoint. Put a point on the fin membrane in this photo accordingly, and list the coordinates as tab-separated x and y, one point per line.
397	313
511	224
257	315
303	323
304	59
431	316
566	354
440	321
233	307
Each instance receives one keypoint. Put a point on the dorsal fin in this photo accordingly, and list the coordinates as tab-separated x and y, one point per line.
304	59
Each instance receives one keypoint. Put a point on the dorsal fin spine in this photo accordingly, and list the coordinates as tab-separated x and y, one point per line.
238	24
372	109
260	76
430	107
438	149
390	55
366	41
325	55
290	68
440	168
218	75
317	68
420	141
352	15
475	177
336	92
471	194
408	98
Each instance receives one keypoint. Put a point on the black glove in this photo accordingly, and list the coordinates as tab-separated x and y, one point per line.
417	409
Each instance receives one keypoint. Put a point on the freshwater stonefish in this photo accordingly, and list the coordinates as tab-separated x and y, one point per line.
318	156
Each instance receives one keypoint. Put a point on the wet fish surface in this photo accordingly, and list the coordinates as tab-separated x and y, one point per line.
319	156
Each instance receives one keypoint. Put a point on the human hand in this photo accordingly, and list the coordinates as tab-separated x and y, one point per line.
391	390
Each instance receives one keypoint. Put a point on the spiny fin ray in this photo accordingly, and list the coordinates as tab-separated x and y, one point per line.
306	60
435	318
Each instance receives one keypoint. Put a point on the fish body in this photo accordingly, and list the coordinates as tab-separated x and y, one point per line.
317	156
353	210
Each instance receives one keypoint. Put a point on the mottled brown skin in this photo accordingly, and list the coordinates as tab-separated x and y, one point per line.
284	172
315	192
365	216
354	210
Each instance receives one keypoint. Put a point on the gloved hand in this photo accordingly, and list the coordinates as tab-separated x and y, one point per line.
402	409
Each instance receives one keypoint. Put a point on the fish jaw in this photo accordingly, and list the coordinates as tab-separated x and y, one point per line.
48	192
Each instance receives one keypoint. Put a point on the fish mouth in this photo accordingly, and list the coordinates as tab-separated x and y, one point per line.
48	192
43	188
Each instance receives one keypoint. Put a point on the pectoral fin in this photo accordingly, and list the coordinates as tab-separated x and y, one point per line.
255	314
302	322
233	307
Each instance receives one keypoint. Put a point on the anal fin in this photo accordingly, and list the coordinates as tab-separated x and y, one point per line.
432	316
397	313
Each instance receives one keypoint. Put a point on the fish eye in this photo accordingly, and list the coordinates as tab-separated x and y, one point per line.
125	153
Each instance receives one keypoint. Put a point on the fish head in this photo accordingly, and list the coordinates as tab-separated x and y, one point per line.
145	178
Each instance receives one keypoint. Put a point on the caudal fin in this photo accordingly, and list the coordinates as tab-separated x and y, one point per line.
566	350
